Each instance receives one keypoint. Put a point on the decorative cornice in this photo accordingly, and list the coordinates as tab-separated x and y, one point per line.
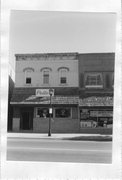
46	56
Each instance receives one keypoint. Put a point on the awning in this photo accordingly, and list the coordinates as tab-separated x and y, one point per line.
28	96
46	100
96	101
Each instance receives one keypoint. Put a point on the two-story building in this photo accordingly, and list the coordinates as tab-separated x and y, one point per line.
83	92
44	71
96	83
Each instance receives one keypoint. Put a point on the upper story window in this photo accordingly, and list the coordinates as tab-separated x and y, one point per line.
46	75
63	75
93	80
28	75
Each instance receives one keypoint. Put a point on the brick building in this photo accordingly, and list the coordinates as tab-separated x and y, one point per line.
96	82
83	92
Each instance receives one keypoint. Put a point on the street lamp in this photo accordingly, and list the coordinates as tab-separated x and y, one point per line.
50	111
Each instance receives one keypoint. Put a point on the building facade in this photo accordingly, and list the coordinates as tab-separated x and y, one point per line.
83	92
96	83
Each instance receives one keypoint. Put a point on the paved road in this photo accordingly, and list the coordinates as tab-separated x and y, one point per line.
51	150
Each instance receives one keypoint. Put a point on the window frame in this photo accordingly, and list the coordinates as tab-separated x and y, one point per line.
66	108
92	74
46	77
42	108
63	75
42	70
26	76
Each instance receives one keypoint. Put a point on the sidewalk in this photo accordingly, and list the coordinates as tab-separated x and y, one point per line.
58	136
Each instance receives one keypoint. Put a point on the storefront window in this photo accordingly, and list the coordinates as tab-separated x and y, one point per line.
84	114
62	113
42	112
96	118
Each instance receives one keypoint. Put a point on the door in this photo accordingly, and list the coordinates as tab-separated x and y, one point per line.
26	120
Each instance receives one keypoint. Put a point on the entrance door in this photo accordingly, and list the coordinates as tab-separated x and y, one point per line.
26	120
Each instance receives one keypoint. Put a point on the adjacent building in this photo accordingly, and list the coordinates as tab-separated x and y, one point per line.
96	83
83	92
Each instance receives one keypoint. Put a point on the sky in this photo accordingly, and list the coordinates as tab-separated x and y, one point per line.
51	32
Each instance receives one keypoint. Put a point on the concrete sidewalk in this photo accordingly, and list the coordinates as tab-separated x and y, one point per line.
53	136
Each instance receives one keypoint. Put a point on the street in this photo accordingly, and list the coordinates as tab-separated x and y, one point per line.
56	150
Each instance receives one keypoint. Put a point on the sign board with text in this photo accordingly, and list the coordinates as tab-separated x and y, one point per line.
44	92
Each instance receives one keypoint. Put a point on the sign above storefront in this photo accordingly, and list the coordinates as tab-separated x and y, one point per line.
44	92
101	113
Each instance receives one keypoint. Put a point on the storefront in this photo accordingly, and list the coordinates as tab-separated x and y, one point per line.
94	117
32	114
69	113
96	112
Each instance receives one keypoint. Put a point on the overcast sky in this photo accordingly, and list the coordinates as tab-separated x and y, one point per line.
50	32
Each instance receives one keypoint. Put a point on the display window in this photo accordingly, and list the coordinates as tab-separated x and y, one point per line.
96	118
43	112
62	112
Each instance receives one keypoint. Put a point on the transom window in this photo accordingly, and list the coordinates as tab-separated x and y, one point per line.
93	80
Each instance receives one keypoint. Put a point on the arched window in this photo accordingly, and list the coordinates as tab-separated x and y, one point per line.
46	75
63	75
28	75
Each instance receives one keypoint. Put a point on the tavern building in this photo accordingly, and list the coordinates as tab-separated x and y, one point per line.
83	93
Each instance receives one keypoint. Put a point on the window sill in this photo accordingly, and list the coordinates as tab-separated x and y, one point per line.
95	87
65	84
28	85
46	85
